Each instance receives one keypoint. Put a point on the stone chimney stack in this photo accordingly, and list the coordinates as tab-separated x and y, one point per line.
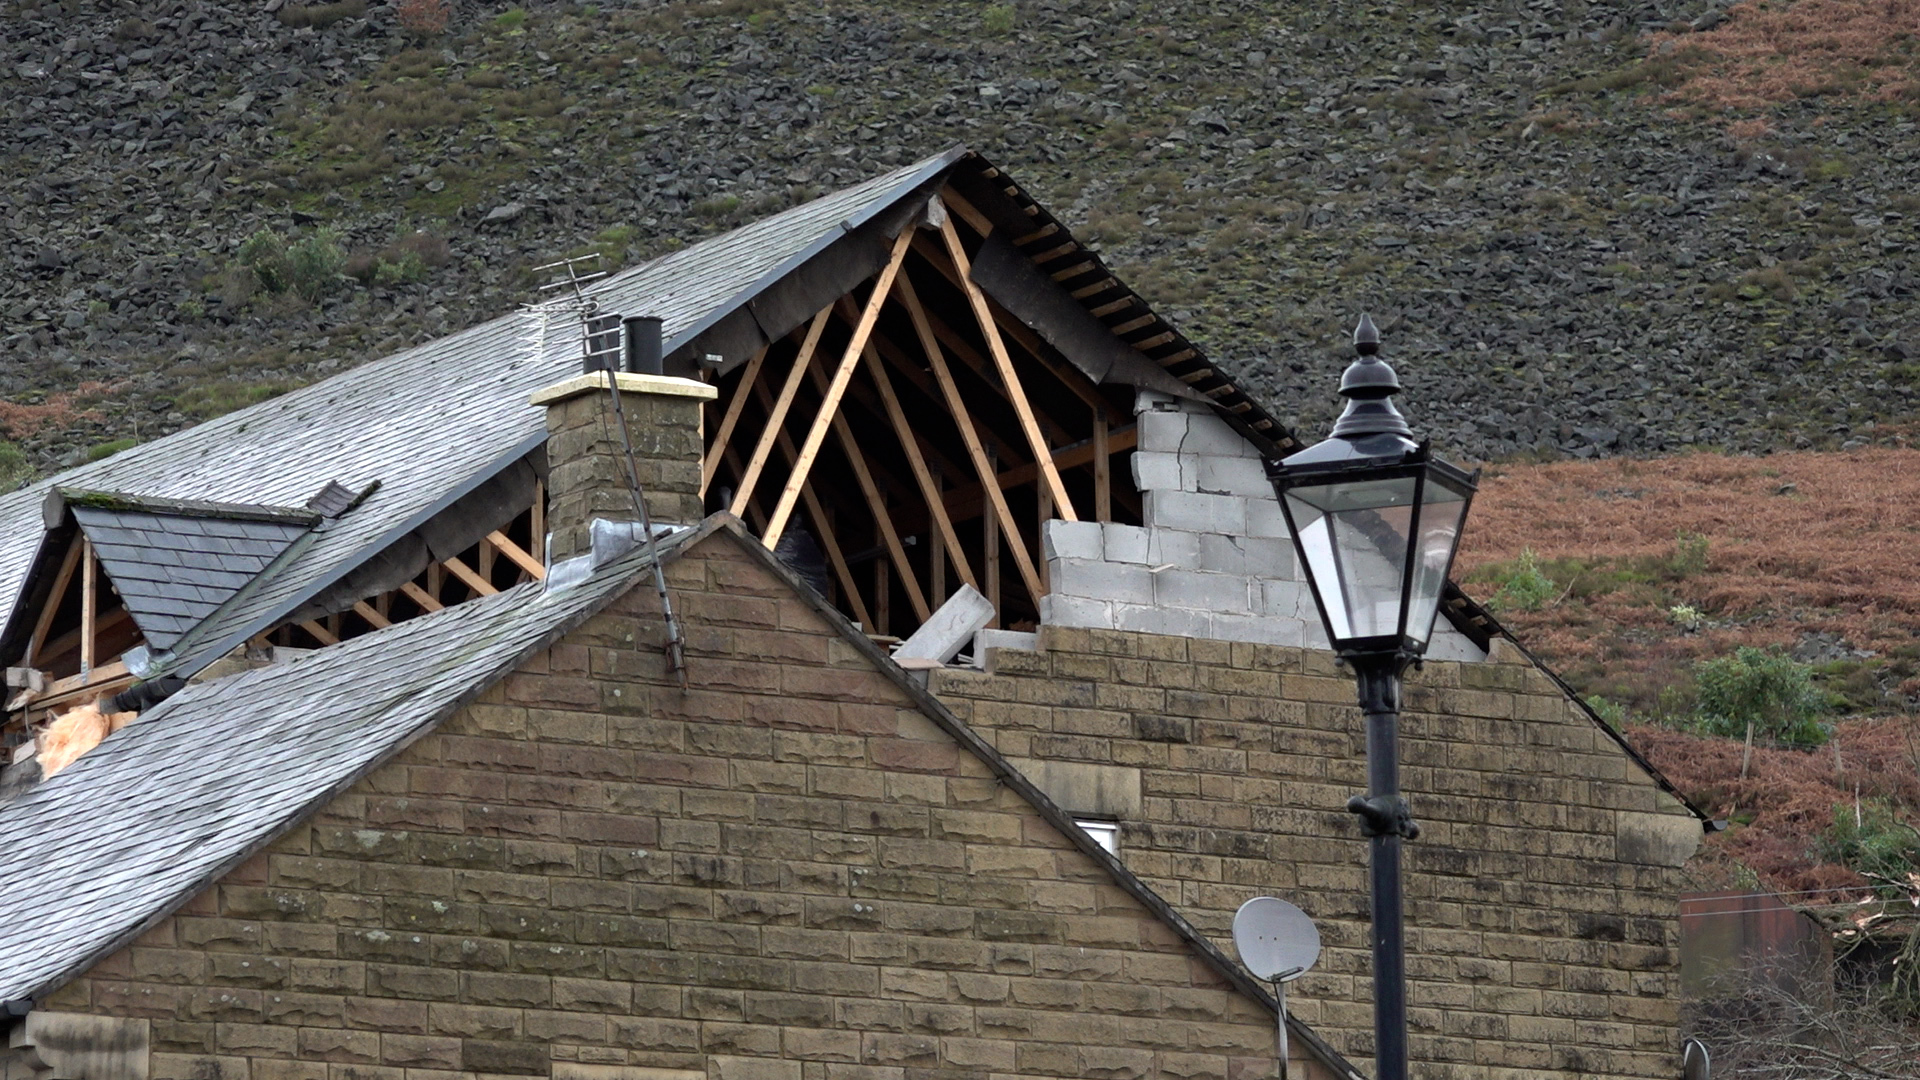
587	463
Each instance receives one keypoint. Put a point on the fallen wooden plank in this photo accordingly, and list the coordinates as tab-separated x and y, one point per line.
947	630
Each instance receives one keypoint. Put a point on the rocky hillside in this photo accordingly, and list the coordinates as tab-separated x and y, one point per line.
1572	249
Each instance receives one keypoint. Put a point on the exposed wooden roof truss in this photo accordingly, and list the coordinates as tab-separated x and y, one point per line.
921	436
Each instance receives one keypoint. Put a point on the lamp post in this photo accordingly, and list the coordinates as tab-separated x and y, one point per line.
1376	520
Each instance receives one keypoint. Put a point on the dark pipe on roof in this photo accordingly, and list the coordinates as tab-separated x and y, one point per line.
144	696
643	345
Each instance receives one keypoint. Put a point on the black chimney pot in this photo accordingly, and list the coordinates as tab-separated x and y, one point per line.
643	345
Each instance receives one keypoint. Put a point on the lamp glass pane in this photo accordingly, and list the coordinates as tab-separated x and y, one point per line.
1441	510
1354	536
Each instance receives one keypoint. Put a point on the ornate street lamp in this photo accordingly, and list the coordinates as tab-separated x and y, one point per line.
1376	520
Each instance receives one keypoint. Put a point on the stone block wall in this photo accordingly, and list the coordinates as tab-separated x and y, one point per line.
1213	559
786	873
1542	896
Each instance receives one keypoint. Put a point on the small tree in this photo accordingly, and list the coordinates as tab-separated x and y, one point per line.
1762	691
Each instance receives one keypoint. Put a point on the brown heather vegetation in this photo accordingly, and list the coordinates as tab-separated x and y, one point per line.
1787	799
63	409
1797	545
1773	51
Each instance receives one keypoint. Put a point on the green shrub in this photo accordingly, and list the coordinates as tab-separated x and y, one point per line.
1689	554
1525	587
997	19
15	469
265	253
108	449
1612	712
314	264
406	269
309	267
511	19
1759	691
1871	840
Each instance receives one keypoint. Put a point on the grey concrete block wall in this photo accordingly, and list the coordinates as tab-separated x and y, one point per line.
1213	559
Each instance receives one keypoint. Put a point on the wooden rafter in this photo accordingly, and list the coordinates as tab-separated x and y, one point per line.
877	505
929	487
537	523
426	601
60	582
467	575
965	500
968	212
829	543
982	465
1073	379
817	434
513	553
711	463
777	413
89	599
70	641
897	358
984	368
373	617
1022	408
1102	468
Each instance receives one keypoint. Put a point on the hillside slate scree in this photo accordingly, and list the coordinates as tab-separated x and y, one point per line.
500	839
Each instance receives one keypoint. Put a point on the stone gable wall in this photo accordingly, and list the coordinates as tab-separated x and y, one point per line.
786	873
1542	896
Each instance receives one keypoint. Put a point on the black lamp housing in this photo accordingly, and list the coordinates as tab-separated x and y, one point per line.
1375	517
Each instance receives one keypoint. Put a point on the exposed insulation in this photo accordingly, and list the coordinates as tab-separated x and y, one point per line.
76	732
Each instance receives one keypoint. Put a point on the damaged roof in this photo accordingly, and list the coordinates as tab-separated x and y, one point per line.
465	395
162	807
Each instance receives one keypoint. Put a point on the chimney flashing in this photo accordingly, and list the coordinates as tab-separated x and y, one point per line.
630	382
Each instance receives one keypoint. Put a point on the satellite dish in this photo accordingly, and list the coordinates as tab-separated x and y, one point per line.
1277	941
1694	1062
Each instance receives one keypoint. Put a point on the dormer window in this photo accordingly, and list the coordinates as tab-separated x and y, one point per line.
117	572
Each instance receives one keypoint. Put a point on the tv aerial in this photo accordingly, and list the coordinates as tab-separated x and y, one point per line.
1278	943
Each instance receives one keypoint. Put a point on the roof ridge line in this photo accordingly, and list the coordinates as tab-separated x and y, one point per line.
62	497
